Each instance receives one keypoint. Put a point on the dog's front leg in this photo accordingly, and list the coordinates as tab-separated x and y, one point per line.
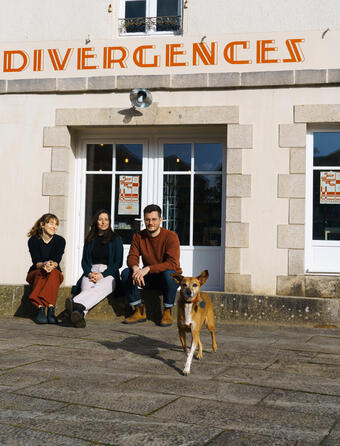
182	337
186	370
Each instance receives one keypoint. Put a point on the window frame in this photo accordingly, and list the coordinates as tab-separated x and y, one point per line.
150	12
325	248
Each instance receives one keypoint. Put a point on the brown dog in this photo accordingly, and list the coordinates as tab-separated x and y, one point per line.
194	308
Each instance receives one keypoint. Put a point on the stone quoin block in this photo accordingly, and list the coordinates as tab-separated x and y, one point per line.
310	77
232	260
291	186
290	285
58	206
233	209
334	76
291	236
237	235
224	80
56	137
55	183
187	81
292	135
70	84
102	83
32	85
2	86
234	161
60	159
297	162
267	78
296	262
317	113
237	283
240	136
238	185
152	81
297	211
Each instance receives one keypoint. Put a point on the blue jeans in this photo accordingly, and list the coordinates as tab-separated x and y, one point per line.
161	281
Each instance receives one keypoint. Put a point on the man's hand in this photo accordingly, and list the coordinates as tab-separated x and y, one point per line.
138	275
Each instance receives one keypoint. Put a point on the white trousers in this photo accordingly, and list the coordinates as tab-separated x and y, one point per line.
93	293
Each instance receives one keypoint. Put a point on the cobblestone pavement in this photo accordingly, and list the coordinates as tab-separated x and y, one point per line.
114	384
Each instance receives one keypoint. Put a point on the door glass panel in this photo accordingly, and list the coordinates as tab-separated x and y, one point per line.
207	210
98	196
127	206
135	10
176	205
326	149
177	157
167	13
99	157
326	215
208	157
129	157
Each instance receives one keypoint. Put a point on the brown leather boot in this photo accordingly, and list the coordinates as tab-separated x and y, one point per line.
139	315
166	318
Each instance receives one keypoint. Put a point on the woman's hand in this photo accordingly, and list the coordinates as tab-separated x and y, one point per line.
95	277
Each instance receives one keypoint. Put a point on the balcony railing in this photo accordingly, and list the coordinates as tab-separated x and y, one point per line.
150	24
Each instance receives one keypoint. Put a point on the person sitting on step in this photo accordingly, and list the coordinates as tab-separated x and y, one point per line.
102	258
159	249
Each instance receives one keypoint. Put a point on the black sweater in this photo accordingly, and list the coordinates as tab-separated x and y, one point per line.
42	252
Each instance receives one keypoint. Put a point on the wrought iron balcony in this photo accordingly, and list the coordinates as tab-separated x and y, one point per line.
153	24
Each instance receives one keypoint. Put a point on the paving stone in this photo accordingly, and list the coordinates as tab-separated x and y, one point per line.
251	419
122	429
308	369
327	359
283	380
334	437
16	436
212	390
303	402
245	439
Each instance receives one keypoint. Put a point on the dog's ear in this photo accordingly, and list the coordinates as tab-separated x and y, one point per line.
203	277
177	277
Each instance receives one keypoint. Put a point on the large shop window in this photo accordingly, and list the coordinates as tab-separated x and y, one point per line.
323	200
150	16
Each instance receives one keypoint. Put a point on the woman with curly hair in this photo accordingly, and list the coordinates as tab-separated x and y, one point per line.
102	258
45	276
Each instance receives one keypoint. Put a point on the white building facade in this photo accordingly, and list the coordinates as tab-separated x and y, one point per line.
240	147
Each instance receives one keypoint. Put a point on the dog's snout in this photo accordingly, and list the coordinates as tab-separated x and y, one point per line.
187	292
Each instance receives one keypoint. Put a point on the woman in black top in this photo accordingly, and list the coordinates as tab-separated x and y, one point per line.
45	276
102	258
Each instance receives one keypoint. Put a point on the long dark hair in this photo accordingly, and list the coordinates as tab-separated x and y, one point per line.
36	229
107	236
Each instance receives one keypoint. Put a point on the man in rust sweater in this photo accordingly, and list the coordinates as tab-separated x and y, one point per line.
159	249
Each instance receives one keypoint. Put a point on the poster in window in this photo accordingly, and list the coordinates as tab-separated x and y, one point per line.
330	187
128	203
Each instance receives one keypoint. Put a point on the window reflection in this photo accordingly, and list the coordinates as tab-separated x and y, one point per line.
129	157
208	157
98	196
177	157
99	157
326	149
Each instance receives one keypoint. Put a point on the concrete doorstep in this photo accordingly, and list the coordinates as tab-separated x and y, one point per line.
227	307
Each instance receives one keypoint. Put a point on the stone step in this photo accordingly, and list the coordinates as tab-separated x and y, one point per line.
227	307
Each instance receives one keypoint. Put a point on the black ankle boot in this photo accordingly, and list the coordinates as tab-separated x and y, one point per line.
78	316
41	316
69	305
51	319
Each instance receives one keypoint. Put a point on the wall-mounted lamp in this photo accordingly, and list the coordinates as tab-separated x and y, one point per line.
140	97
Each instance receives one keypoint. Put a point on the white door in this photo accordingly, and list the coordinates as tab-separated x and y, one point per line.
184	177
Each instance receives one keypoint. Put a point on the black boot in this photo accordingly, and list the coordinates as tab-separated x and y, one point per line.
51	316
78	316
69	305
41	316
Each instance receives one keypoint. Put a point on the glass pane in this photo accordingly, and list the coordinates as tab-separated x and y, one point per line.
326	149
207	210
135	11
98	196
129	157
177	157
326	215
208	157
127	206
176	205
99	157
167	15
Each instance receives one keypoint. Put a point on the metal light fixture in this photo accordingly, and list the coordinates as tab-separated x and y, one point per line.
140	97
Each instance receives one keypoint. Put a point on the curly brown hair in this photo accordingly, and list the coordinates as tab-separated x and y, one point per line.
36	229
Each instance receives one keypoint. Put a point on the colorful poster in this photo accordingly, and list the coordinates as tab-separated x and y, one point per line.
128	203
330	187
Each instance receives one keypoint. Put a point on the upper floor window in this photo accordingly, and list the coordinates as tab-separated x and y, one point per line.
151	16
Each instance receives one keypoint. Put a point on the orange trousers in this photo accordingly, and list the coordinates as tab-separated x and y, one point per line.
44	286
